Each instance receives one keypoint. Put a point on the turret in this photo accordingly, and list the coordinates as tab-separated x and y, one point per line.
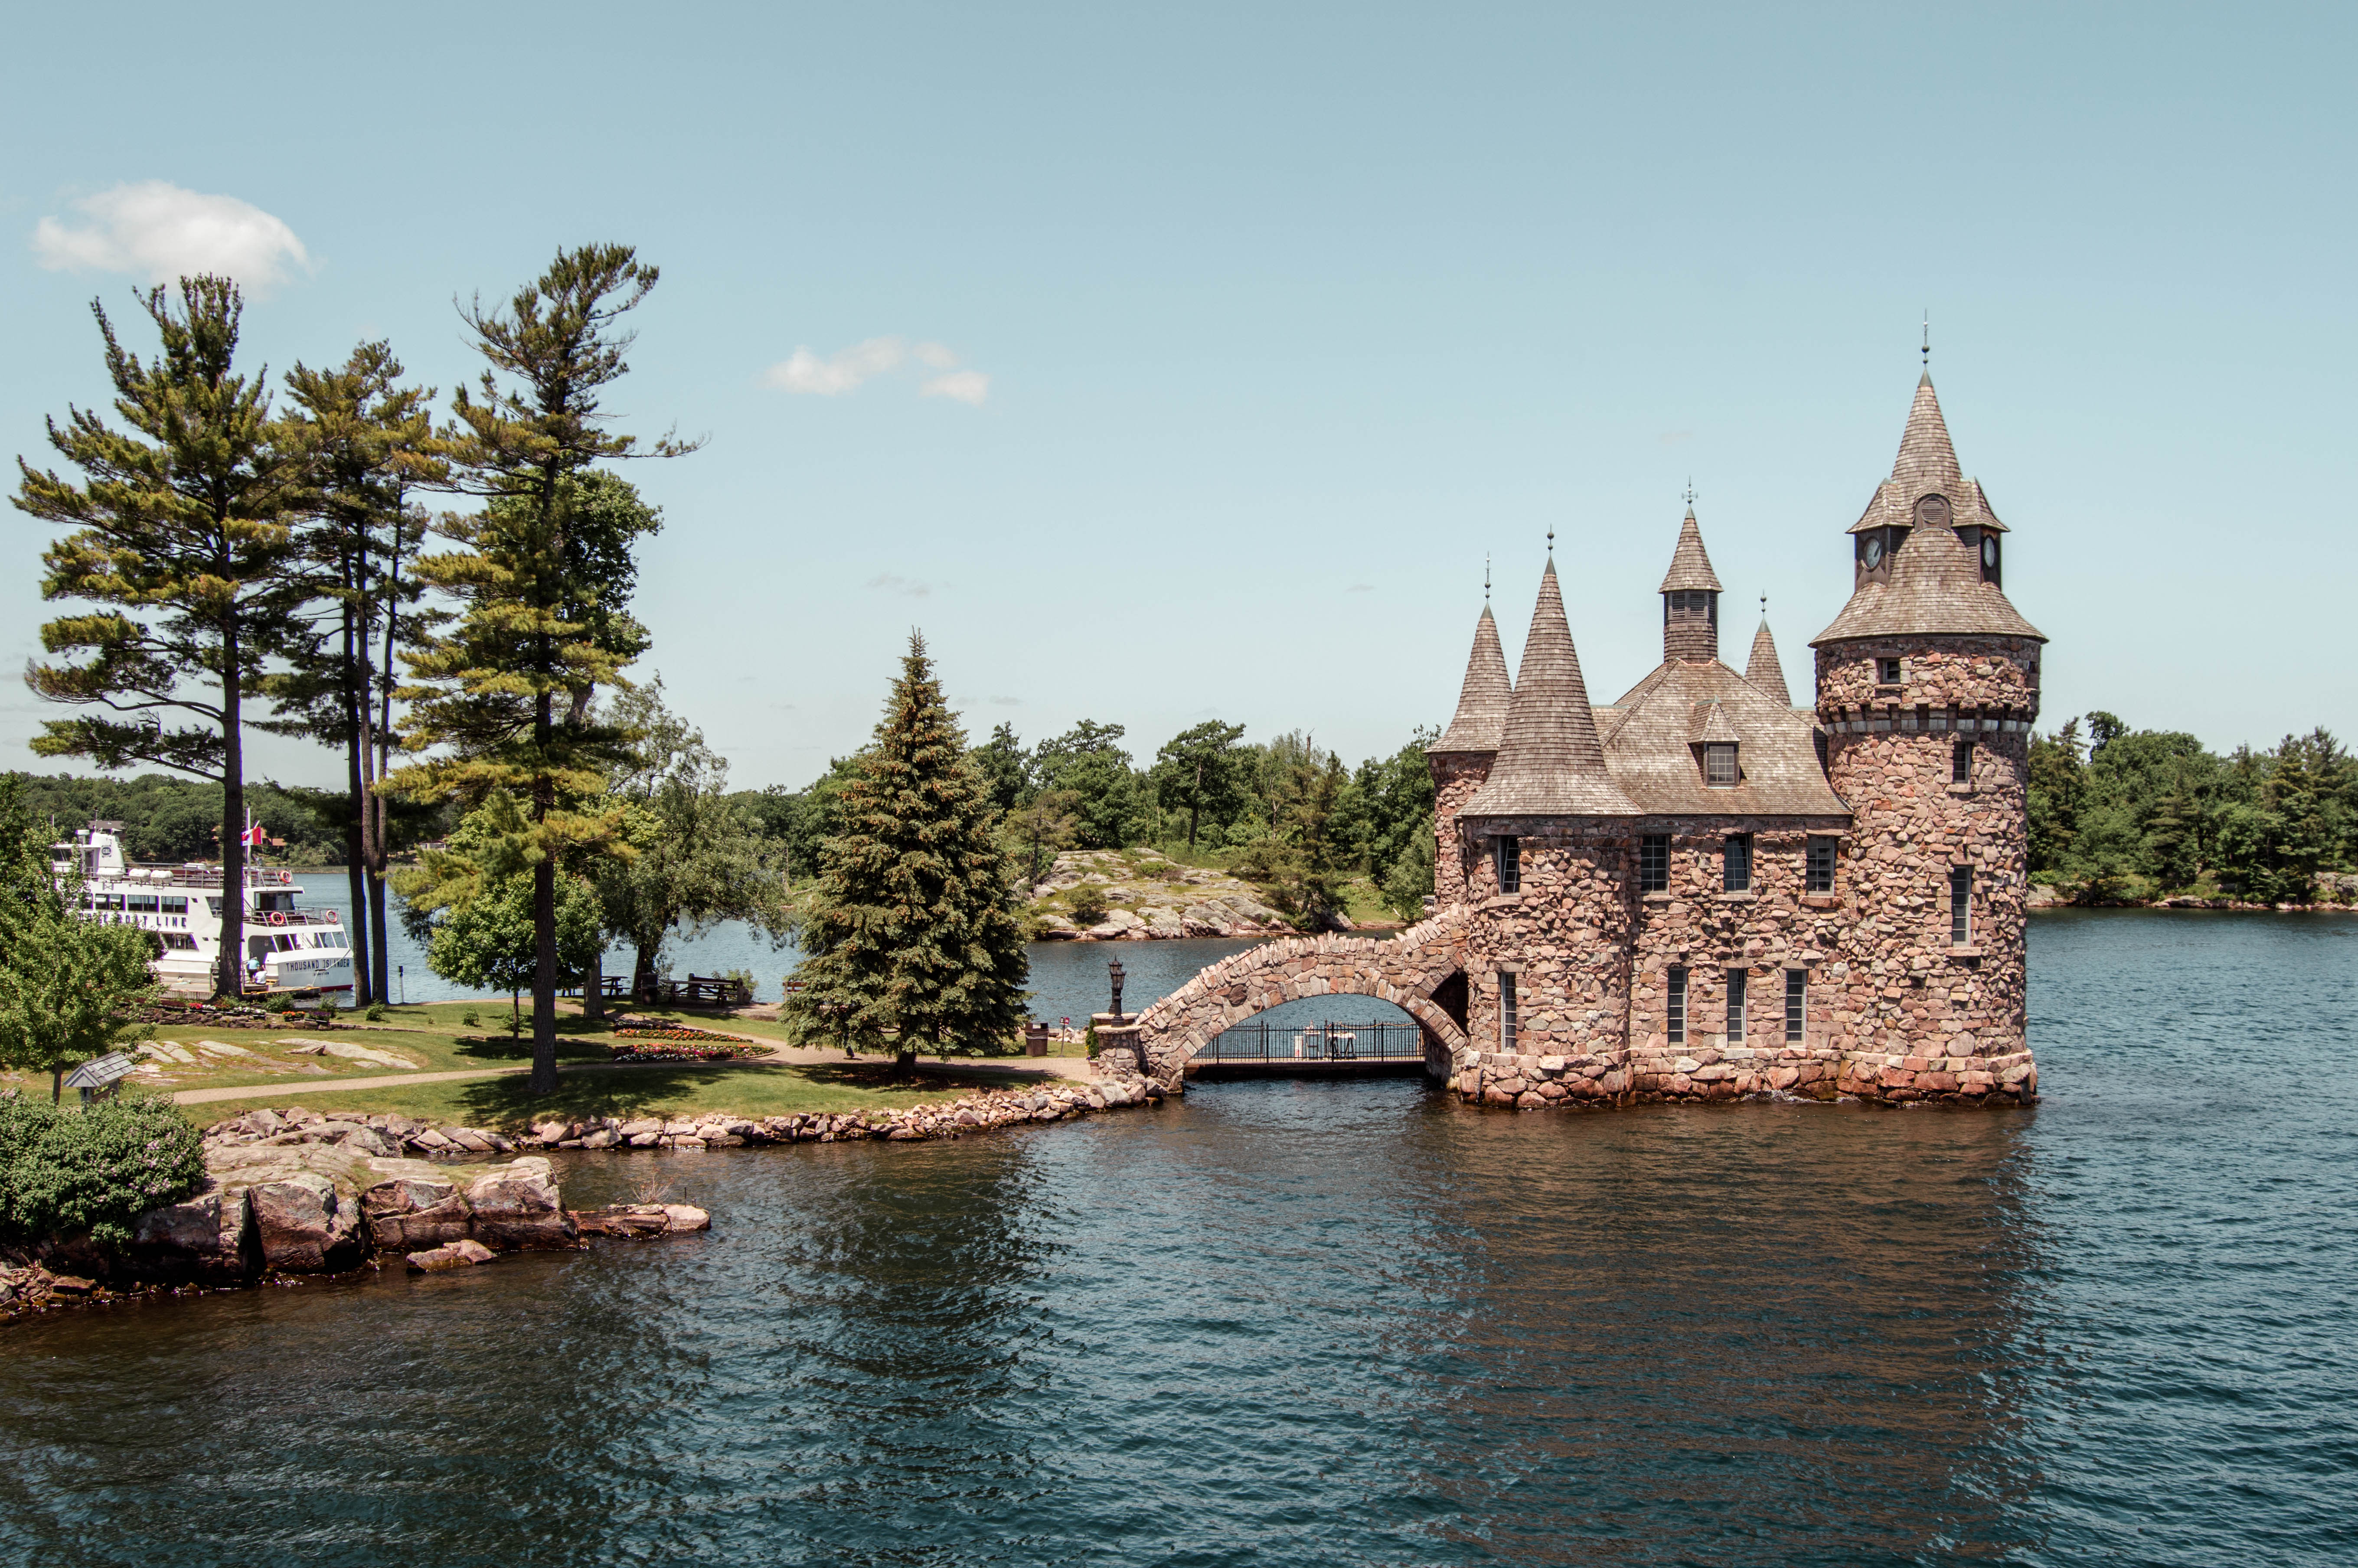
1763	669
1460	759
1689	599
1927	688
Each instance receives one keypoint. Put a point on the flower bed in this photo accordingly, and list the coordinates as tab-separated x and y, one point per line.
683	1045
676	1031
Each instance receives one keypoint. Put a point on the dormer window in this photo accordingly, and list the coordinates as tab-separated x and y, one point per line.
1990	560
1719	770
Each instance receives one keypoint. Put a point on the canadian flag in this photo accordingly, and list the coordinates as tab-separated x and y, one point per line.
252	836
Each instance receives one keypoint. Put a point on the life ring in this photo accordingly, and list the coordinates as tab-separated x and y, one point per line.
277	917
333	918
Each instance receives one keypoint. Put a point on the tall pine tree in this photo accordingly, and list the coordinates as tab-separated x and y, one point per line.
543	573
912	931
180	531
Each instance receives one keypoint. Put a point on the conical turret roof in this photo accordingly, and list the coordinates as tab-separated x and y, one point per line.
1550	760
1762	669
1934	582
1690	564
1481	716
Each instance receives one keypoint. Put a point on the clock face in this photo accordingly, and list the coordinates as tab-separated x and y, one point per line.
1874	557
1989	552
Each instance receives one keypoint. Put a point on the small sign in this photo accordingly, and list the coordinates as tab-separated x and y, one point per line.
101	1072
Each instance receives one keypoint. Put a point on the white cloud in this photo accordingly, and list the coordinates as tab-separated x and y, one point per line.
908	588
161	231
832	375
969	387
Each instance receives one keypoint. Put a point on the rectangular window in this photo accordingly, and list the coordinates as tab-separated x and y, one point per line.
1719	764
141	903
1654	862
1678	1008
1889	672
1797	1005
1510	1028
1961	761
176	905
1961	905
212	906
180	940
1736	981
1736	864
1820	866
1511	865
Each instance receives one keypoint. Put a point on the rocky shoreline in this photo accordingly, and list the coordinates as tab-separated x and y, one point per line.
298	1192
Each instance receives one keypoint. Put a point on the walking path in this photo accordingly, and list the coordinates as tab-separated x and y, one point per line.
1076	1067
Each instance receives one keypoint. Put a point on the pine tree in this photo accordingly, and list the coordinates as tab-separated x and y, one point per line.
180	530
69	987
365	442
913	933
544	573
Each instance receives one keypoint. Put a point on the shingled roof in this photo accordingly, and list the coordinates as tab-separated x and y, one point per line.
1481	716
1651	750
1690	564
1550	760
1762	669
1935	579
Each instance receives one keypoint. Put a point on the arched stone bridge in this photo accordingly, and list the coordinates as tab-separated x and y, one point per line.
1420	972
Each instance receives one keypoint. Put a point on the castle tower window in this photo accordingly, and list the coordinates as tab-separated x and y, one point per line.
1510	1027
1961	762
1820	870
1890	672
1736	983
1654	862
1719	764
1797	1005
1511	864
1676	1024
1736	864
1961	905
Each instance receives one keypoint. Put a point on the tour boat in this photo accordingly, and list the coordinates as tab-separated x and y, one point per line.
288	948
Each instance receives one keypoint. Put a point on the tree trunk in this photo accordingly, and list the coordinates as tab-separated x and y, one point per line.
643	983
57	1085
230	979
544	977
380	845
382	986
593	990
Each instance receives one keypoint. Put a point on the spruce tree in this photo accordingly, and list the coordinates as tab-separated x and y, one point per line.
912	931
180	533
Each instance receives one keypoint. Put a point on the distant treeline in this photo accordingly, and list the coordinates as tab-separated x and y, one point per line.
173	821
1286	813
2120	814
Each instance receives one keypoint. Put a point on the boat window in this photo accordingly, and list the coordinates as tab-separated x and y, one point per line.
142	903
214	904
180	940
176	906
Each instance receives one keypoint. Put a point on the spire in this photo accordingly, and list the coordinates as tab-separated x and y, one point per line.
1481	714
1690	566
1762	669
1927	461
1550	760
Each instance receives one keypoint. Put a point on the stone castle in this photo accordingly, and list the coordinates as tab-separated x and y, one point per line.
1704	890
1712	889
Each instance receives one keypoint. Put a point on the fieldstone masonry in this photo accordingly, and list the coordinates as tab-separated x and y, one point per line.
1663	937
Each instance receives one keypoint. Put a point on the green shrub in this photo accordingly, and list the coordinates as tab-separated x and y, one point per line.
471	1019
374	1013
70	1168
1089	904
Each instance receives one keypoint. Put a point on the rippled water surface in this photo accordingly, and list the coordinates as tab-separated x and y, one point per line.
1328	1322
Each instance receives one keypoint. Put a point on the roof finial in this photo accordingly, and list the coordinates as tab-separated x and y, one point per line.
1690	492
1927	341
1486	581
1763	606
1551	543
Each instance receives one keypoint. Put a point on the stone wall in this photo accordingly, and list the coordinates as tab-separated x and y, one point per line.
1911	993
1456	776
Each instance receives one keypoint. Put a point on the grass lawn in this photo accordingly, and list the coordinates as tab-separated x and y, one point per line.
438	1038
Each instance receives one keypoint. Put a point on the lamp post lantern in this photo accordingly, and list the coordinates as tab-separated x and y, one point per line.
1114	968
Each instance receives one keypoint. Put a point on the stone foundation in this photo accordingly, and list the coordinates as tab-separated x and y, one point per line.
1703	1075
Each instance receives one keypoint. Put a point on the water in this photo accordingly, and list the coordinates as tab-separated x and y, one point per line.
1344	1323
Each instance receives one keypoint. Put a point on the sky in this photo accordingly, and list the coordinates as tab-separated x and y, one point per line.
1161	366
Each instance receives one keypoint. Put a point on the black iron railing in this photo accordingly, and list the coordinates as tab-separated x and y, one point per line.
1266	1042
